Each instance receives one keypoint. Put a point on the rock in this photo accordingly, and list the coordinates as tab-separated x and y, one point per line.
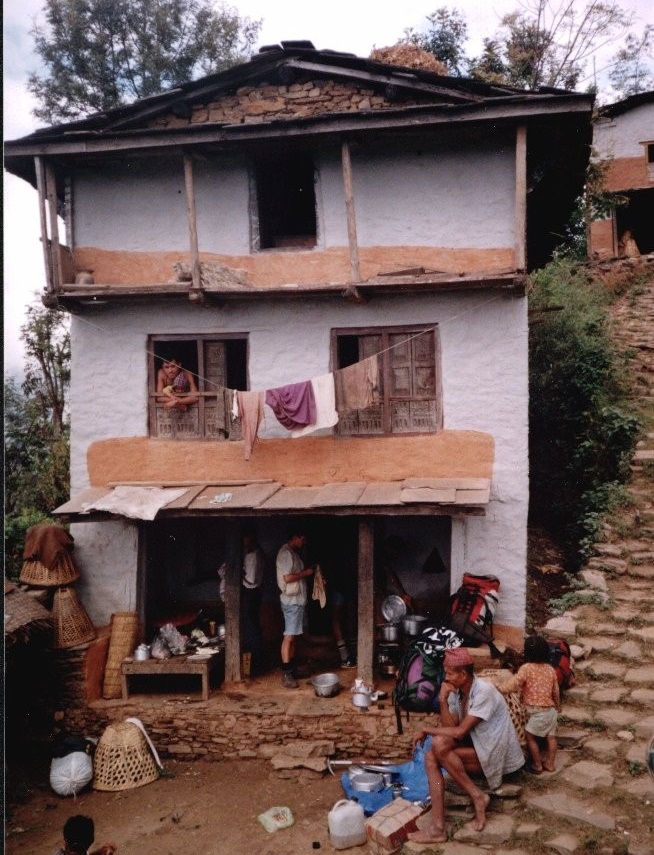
628	649
625	735
643	696
644	633
602	746
498	830
565	805
595	579
644	675
564	626
564	844
644	727
616	717
588	775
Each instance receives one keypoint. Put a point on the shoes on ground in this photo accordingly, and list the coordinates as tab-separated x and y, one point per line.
349	663
289	681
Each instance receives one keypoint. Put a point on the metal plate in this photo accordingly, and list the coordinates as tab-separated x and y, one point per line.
393	608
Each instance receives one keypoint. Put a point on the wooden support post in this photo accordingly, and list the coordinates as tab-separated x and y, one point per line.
189	183
39	167
355	271
366	637
521	198
55	255
233	664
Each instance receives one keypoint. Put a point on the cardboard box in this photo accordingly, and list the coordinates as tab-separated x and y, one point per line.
387	829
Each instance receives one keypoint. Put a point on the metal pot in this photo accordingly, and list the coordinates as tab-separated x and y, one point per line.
142	653
361	699
414	624
326	685
368	782
389	631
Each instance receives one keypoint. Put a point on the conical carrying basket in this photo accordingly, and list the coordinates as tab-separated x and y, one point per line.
72	625
123	639
123	759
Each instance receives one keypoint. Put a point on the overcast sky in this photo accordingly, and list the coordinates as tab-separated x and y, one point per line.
345	25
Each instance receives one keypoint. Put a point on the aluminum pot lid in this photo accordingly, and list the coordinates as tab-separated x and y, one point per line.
393	608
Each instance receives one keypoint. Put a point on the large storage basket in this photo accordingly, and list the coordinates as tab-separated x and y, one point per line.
123	759
124	635
63	572
72	625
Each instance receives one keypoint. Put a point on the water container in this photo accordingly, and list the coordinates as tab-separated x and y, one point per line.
346	824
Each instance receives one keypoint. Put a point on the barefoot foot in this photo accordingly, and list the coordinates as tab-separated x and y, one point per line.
480	803
428	835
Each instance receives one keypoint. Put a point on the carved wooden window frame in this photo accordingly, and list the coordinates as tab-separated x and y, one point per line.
201	356
415	409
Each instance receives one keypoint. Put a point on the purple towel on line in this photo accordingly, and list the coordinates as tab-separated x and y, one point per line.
294	405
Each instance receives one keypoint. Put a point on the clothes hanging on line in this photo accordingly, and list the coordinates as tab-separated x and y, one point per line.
250	411
294	405
324	395
357	386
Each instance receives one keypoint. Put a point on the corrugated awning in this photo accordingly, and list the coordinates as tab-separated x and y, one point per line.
453	496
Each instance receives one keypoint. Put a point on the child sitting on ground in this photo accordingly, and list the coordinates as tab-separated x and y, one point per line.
538	686
79	834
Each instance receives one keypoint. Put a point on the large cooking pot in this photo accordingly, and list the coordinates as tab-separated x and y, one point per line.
414	624
368	782
326	685
389	631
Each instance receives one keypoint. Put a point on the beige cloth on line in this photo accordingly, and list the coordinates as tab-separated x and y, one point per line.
357	386
250	411
319	592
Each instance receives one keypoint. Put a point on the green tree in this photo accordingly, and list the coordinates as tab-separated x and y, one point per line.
100	54
548	43
581	430
630	74
445	38
36	430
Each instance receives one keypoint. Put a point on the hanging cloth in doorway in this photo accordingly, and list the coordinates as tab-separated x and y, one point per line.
357	386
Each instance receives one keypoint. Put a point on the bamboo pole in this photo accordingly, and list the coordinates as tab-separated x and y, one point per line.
189	184
355	272
521	198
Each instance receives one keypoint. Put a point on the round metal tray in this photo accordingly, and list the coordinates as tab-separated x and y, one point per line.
393	608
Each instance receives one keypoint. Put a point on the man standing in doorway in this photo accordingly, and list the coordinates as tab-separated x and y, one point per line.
291	576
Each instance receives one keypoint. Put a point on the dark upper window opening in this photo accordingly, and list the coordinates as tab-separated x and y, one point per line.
286	201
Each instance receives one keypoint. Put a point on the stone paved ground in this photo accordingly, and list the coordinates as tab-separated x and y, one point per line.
600	799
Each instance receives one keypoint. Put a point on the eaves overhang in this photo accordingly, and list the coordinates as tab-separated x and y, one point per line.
83	143
411	496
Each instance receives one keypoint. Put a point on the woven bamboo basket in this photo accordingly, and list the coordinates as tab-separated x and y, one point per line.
64	572
123	759
124	635
72	625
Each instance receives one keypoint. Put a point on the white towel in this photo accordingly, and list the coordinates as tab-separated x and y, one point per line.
326	415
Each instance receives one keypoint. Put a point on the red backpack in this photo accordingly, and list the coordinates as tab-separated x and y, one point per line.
561	661
472	608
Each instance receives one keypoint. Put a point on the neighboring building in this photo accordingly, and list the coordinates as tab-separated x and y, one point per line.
272	224
623	136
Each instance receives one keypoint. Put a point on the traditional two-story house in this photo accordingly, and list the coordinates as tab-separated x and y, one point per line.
623	138
275	224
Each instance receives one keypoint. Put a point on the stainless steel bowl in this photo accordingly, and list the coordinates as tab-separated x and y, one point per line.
326	685
393	608
368	782
414	624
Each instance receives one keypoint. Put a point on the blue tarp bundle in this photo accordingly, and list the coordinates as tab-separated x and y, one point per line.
411	775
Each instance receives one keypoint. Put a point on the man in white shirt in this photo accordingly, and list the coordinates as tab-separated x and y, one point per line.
291	576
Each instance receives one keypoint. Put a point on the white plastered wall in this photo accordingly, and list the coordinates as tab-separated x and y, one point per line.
485	385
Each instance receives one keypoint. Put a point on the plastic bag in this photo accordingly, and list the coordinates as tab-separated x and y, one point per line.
173	638
70	774
276	817
160	649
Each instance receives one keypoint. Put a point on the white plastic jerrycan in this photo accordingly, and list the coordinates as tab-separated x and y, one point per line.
346	824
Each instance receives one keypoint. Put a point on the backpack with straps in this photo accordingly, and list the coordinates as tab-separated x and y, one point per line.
561	661
421	672
472	608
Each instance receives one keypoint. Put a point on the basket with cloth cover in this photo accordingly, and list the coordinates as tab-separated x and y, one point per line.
47	557
125	757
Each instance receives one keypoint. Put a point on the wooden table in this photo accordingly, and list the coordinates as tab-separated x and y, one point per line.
184	665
